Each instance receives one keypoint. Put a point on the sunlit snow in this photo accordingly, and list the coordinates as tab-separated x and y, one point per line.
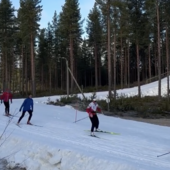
58	143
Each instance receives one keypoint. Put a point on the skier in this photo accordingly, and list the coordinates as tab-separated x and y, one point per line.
6	96
92	109
27	107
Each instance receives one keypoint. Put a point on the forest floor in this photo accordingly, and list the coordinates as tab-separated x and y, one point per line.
160	121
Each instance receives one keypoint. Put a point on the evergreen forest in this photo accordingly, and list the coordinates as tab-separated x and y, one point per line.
126	45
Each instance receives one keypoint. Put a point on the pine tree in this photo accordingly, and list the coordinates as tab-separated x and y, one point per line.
70	22
166	7
30	11
7	32
50	46
136	19
42	60
55	34
94	31
105	6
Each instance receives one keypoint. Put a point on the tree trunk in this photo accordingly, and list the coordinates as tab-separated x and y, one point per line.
6	70
114	65
159	56
62	76
167	60
22	70
42	78
56	80
26	79
156	61
71	62
121	64
99	71
109	52
128	65
32	66
149	61
50	79
138	69
96	64
125	67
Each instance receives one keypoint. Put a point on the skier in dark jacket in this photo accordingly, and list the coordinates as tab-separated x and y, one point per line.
27	106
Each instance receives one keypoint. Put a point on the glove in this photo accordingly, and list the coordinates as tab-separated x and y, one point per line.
91	115
19	110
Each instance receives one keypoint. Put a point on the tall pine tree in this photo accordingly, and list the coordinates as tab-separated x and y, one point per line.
30	12
70	21
7	25
94	31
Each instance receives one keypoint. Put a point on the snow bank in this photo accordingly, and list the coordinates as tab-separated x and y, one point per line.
38	157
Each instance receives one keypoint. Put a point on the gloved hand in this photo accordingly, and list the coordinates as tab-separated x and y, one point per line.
91	115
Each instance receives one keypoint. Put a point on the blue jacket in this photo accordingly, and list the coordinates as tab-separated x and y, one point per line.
27	105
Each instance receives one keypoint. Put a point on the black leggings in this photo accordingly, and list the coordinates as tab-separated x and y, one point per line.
95	122
6	107
23	114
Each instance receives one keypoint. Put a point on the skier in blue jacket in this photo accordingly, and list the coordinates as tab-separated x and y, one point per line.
27	106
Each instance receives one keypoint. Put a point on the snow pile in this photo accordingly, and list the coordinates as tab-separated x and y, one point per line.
38	157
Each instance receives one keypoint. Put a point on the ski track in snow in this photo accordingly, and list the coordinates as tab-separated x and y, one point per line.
139	153
136	148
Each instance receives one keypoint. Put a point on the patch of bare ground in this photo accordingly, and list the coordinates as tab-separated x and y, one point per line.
161	121
157	120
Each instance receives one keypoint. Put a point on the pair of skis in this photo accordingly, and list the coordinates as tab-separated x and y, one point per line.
101	131
29	125
112	133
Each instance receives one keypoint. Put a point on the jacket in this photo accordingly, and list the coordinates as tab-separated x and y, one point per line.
6	96
93	108
27	105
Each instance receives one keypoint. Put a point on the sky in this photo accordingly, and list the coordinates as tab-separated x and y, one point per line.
60	138
49	6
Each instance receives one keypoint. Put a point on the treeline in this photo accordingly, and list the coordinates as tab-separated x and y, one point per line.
126	42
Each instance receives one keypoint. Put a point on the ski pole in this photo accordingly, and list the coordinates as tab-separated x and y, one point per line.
164	154
81	119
